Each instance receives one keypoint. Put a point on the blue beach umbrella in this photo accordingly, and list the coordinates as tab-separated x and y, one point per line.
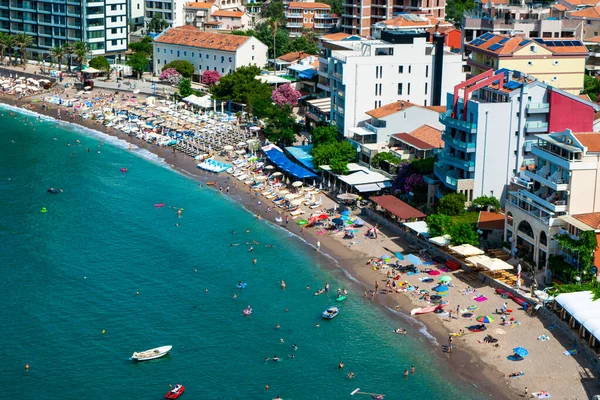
441	288
345	212
337	221
521	352
399	256
411	258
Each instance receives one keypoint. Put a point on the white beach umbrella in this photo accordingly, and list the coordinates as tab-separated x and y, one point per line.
269	167
297	184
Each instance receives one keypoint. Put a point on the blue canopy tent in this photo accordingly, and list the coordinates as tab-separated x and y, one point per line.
279	159
307	74
411	258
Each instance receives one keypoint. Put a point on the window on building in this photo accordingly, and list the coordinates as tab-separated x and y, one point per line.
171	51
165	51
222	70
305	20
380	90
113	30
113	19
158	49
375	105
408	89
425	87
400	88
207	56
215	57
158	61
252	47
409	69
215	68
589	22
113	8
207	67
114	42
185	53
425	103
401	69
230	59
138	6
427	71
199	67
192	54
177	53
222	59
376	88
252	58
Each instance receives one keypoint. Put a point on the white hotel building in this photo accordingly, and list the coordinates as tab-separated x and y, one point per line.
207	51
369	74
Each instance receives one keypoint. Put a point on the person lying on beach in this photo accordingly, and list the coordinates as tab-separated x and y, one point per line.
516	374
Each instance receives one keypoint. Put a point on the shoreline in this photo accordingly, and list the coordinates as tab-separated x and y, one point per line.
465	363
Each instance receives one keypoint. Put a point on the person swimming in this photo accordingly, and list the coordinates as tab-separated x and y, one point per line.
400	331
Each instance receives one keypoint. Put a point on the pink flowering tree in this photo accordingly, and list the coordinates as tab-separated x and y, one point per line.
286	95
171	75
412	182
209	78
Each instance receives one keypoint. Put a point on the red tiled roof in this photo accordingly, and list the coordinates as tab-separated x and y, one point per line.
336	36
390	109
582	2
228	14
595	39
293	56
403	21
193	37
490	221
591	219
586	13
397	207
591	140
560	7
200	4
424	137
513	44
295	4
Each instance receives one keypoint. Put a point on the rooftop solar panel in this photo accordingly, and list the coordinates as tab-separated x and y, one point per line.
512	85
559	43
568	44
577	43
503	40
495	47
525	42
539	40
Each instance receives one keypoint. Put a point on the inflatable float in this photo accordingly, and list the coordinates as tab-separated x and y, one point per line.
123	170
157	205
247	311
241	285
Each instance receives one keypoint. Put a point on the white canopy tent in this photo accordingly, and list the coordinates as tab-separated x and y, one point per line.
494	264
466	250
477	259
441	241
583	309
271	79
419	227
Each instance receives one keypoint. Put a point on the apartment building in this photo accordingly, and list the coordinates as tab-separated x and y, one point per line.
198	13
367	74
563	189
521	19
575	226
491	125
169	10
207	51
559	62
360	15
103	24
408	22
328	43
136	12
316	17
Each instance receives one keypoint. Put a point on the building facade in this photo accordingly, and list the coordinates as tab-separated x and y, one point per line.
401	66
316	17
102	24
559	62
491	126
359	15
207	51
169	10
562	185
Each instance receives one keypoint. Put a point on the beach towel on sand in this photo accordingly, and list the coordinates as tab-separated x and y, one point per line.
570	352
542	395
480	299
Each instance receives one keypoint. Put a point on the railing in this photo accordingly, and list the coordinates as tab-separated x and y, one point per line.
324	26
294	25
458	161
323	16
293	15
534	125
340	94
442	175
538	107
446	119
371	127
465	145
336	75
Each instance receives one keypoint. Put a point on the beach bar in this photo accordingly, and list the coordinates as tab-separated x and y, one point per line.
583	314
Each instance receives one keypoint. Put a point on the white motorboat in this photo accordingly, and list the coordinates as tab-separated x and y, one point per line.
151	354
330	313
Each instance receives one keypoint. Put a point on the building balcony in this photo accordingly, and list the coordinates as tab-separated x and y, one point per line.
515	200
442	175
457	162
371	127
293	15
323	87
446	119
350	16
521	182
538	108
294	25
536	127
465	146
336	75
340	93
554	205
550	181
551	157
323	16
324	26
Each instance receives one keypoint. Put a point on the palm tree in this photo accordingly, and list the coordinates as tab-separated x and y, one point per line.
58	53
8	42
274	24
23	41
68	49
82	51
2	46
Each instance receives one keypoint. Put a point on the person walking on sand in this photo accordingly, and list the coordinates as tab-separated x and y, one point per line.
318	245
287	219
376	287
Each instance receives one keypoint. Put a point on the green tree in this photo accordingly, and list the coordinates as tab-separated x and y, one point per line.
157	24
23	41
583	247
452	204
324	134
281	126
275	10
3	37
385	156
185	68
57	52
591	86
185	88
328	153
336	6
456	8
274	25
143	46
138	63
276	40
422	166
81	52
486	201
302	43
8	42
69	50
100	63
438	224
463	233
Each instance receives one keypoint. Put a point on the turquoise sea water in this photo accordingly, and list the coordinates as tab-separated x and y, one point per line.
74	271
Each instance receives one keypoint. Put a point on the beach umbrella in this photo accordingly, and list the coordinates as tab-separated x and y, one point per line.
441	288
432	273
398	255
521	352
228	148
385	257
484	319
276	174
297	184
445	279
269	167
415	260
260	178
337	221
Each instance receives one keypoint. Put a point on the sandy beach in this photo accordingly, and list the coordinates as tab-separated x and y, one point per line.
484	365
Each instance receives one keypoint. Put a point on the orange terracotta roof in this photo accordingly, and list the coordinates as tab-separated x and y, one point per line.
402	21
490	221
390	109
201	5
560	7
591	140
589	12
581	2
228	14
295	4
590	219
439	109
508	47
584	97
595	39
293	56
336	36
496	2
190	36
397	207
213	22
429	135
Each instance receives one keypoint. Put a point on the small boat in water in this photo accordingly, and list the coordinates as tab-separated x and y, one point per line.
330	313
175	392
151	354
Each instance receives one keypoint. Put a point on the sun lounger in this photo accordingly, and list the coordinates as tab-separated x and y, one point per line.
297	213
316	205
